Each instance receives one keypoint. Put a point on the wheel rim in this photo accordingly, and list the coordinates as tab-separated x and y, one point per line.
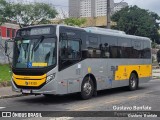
87	88
133	82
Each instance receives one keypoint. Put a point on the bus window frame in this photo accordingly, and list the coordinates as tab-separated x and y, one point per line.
63	61
71	39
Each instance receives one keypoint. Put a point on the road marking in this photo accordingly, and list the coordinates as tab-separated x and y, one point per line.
82	108
111	101
87	107
132	97
2	107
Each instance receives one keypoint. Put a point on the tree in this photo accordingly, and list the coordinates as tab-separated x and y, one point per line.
136	21
31	14
75	21
26	14
2	5
6	12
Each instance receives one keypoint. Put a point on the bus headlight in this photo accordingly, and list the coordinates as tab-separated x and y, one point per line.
50	77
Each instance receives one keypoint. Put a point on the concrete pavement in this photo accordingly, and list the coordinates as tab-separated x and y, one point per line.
6	92
156	74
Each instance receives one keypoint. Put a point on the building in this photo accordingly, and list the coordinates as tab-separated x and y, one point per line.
119	6
8	30
74	8
88	8
101	7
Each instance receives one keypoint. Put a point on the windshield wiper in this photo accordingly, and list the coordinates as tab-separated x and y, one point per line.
36	45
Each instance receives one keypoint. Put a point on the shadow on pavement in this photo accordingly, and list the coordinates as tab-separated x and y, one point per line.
65	99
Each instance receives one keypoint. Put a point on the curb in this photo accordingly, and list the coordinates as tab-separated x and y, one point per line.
156	78
155	67
11	96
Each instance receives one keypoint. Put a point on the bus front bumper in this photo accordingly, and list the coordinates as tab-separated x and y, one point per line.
46	89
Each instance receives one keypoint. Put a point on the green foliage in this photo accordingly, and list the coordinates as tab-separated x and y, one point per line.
75	21
6	11
136	21
5	75
154	44
26	14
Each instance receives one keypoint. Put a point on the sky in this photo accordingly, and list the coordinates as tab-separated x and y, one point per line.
151	5
62	5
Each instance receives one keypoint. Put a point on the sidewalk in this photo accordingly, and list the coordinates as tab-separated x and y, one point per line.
6	92
156	74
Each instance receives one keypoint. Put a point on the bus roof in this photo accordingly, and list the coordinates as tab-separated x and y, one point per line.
111	32
98	30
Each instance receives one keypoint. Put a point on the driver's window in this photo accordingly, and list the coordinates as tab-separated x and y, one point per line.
63	49
70	49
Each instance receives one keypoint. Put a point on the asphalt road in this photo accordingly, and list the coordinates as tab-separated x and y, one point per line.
148	94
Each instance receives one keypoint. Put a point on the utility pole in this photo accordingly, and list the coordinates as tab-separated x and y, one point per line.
108	14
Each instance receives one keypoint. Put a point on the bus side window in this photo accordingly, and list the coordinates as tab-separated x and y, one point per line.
137	49
106	50
70	49
69	52
147	50
93	49
63	49
73	49
108	47
125	48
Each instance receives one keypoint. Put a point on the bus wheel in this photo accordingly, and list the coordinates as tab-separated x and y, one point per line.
87	88
133	82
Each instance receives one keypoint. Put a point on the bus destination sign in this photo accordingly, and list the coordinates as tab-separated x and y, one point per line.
39	31
34	31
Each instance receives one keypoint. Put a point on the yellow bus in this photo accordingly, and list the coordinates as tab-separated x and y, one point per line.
58	59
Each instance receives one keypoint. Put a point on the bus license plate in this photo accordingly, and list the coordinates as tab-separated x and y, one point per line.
26	91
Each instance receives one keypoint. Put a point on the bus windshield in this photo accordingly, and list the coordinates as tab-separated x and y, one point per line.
34	53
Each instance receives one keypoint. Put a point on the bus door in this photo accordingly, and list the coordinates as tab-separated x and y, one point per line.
70	69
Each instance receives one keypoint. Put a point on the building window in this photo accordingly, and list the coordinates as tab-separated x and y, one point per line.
0	33
13	33
8	32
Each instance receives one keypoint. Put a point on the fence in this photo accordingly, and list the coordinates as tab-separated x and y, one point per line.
3	57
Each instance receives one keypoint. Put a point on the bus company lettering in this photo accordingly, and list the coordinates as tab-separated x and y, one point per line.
30	83
28	114
132	108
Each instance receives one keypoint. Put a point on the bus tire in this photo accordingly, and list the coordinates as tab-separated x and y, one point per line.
87	88
133	82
